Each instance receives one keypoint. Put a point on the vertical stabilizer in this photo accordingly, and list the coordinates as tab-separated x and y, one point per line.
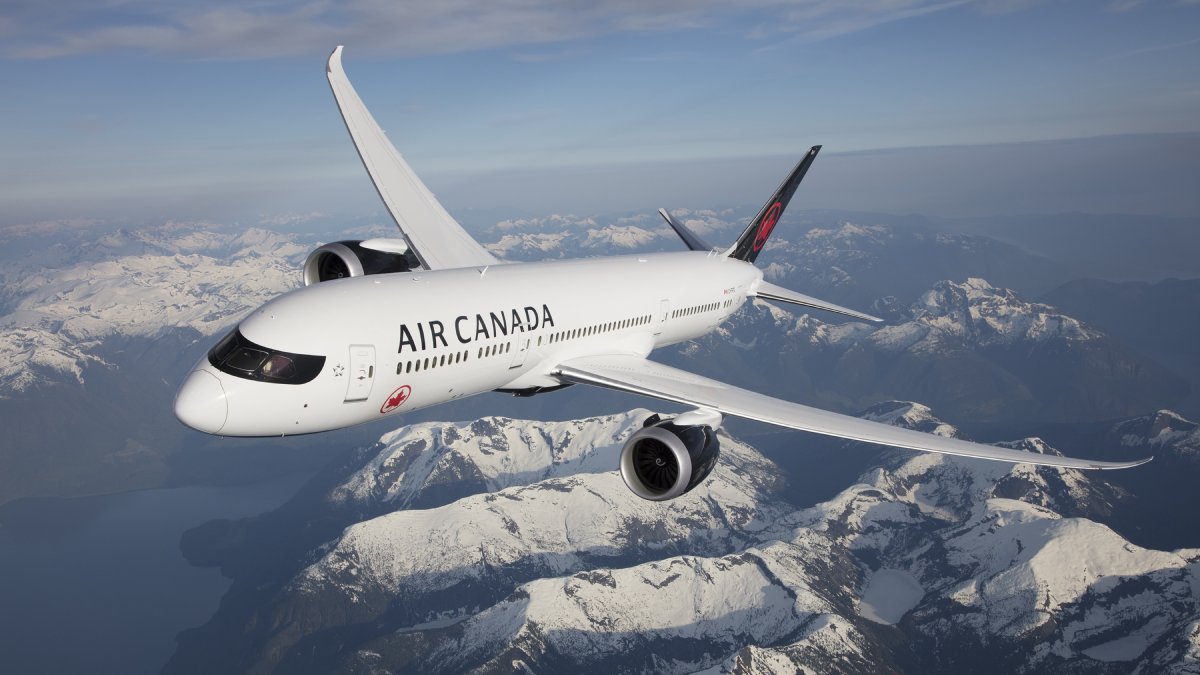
752	240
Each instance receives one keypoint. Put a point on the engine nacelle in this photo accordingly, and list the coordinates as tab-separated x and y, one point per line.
353	258
665	460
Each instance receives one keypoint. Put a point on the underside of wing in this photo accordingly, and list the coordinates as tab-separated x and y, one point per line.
640	376
437	240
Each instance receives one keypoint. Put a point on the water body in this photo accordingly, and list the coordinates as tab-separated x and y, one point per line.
98	584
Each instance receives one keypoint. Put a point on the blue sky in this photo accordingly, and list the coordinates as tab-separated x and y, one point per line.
145	109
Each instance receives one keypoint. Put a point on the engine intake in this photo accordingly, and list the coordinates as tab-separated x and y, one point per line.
664	460
350	258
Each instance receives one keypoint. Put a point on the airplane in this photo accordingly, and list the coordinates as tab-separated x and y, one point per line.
386	326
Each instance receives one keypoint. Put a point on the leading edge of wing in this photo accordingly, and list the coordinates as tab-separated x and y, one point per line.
437	240
640	376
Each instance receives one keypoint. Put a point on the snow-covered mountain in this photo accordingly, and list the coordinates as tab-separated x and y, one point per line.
417	463
535	557
96	330
980	352
1165	430
1164	508
568	236
133	283
858	261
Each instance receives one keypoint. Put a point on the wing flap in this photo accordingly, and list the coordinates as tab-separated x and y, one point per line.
437	240
640	376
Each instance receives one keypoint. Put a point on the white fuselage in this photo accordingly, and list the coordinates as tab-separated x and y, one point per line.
394	343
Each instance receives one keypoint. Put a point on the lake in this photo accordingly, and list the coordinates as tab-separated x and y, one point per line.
98	584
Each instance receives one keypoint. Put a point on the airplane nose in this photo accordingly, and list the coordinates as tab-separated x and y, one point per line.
201	403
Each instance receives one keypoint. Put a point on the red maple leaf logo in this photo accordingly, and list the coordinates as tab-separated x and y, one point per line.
396	400
767	224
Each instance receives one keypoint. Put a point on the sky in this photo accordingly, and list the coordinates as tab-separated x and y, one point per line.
165	109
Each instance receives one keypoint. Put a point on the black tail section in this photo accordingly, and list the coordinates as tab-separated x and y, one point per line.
755	236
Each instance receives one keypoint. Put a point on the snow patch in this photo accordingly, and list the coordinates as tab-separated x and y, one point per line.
889	595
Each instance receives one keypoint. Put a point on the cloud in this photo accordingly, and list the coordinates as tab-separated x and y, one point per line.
1167	46
225	29
822	19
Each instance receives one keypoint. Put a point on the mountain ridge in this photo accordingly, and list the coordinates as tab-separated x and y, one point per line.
983	543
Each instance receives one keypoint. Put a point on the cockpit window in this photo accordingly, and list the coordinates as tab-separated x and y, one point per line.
239	357
279	367
247	359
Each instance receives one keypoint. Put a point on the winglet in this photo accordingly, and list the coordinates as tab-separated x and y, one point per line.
752	240
1122	465
335	57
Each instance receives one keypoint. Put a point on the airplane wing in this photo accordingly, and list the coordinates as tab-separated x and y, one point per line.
641	376
437	240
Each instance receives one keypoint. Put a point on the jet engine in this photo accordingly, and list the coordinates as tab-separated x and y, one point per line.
668	457
352	258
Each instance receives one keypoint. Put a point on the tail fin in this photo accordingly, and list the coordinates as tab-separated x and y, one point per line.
752	240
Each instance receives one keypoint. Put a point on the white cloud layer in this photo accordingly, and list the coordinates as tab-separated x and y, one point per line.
224	29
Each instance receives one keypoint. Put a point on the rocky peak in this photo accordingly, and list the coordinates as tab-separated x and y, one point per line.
982	313
435	462
1165	429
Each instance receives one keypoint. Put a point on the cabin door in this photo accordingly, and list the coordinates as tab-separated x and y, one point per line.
522	346
664	309
362	372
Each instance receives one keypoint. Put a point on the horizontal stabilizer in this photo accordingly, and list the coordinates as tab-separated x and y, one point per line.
769	291
693	241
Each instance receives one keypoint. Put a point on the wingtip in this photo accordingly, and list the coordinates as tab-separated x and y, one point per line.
335	59
860	316
1126	465
857	315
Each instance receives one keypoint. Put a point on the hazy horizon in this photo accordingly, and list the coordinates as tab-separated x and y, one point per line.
140	111
1142	175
